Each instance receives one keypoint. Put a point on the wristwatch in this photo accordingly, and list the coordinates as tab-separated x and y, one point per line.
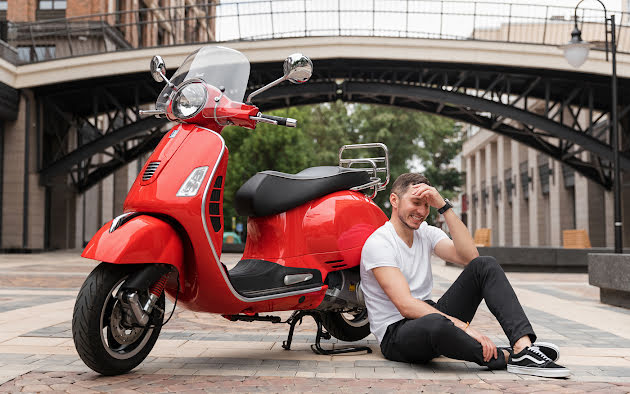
446	206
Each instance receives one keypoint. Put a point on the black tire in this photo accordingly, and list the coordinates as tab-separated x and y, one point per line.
347	326
95	329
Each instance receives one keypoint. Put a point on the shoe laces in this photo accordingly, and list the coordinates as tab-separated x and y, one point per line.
536	350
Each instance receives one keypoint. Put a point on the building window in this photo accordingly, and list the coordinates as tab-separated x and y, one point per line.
52	4
524	179
509	185
544	171
496	191
3	17
33	54
569	176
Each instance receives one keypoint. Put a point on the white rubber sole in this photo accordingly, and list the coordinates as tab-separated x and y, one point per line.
542	372
549	346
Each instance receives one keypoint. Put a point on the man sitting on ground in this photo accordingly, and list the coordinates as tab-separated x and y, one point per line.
396	280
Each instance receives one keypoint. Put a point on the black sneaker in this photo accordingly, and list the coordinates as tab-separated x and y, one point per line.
552	351
532	361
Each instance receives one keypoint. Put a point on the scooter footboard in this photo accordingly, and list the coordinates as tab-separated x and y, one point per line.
142	239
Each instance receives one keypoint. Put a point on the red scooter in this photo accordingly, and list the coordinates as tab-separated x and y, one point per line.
305	231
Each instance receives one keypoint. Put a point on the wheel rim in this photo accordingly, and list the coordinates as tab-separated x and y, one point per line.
356	318
120	342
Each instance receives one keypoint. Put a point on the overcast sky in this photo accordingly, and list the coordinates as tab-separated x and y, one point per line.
420	18
415	18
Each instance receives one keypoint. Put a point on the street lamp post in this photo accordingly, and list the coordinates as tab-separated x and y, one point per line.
576	52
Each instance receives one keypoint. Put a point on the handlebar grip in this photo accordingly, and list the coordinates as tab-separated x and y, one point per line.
288	122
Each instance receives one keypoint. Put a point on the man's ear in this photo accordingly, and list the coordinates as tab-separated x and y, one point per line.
393	199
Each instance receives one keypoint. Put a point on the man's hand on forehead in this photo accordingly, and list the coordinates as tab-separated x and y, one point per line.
419	188
424	191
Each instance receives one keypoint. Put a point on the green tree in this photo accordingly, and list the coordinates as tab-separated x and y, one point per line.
268	147
413	139
329	127
441	146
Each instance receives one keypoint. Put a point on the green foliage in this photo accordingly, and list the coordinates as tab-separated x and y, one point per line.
413	139
268	147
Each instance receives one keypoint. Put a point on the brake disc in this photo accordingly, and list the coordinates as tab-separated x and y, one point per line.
123	335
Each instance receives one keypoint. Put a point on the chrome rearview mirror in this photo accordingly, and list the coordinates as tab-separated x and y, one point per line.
297	69
158	68
158	72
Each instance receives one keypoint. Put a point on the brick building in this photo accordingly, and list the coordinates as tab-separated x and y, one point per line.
33	217
97	25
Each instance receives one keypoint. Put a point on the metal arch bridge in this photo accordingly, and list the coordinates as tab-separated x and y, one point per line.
525	92
540	108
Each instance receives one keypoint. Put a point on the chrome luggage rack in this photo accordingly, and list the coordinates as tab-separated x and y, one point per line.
371	164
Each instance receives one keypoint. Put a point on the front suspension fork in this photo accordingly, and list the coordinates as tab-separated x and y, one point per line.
140	314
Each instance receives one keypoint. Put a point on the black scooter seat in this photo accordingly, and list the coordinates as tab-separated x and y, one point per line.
271	192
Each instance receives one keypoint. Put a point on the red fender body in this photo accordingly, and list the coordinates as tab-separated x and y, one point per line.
141	240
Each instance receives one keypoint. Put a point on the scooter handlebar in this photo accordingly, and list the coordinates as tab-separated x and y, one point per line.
288	122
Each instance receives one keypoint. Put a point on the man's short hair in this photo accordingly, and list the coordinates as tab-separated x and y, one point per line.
404	180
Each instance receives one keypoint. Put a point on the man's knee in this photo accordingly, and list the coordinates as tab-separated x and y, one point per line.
435	323
485	263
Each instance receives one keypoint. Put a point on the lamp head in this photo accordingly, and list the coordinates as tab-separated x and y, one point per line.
576	50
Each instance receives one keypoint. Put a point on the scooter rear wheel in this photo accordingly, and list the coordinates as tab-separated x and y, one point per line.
347	326
100	337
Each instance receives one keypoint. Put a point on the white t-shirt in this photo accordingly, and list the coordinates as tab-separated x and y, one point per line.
384	248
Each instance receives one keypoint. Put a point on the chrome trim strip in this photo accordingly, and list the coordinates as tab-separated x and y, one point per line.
117	221
214	252
205	195
297	278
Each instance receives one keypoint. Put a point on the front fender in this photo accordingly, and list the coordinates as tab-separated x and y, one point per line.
141	240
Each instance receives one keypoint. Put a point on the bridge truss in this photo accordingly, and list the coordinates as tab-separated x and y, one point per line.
543	109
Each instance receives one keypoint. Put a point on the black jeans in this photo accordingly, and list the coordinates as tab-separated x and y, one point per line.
420	340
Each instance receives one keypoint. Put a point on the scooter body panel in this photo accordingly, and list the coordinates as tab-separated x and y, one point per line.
199	222
327	233
173	215
141	240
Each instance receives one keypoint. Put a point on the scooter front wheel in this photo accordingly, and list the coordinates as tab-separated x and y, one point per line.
347	326
103	341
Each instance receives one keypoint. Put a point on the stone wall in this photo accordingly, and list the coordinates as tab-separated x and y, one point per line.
611	273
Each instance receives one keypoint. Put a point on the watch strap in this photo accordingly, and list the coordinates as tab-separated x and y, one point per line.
446	206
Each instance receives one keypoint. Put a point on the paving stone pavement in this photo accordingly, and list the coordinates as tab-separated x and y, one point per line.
200	352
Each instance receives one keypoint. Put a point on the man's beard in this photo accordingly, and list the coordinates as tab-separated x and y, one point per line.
402	219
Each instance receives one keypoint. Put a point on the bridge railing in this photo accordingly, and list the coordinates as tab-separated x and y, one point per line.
8	53
265	19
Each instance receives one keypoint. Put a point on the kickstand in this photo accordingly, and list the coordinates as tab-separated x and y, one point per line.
296	318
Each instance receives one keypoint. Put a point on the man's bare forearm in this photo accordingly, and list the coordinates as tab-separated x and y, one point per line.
418	308
464	243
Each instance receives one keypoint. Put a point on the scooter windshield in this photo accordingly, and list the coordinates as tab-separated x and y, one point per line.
215	65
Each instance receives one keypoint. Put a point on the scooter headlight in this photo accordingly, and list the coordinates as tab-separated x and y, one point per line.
191	185
189	100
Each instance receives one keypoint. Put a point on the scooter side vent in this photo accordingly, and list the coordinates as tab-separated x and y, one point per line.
336	263
150	170
214	208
